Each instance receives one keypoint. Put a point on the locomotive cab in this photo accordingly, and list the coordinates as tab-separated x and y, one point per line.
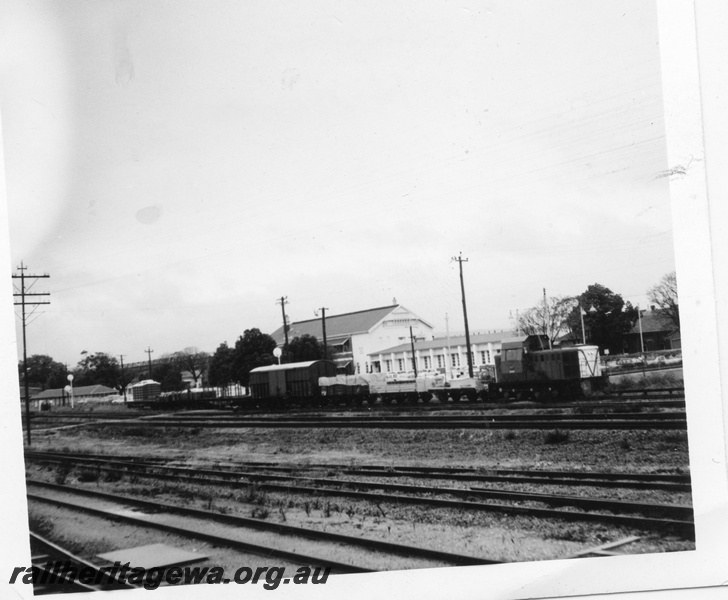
515	362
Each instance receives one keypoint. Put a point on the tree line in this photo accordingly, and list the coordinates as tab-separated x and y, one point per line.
598	316
228	365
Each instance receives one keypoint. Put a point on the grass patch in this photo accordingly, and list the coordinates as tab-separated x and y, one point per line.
651	379
675	437
41	525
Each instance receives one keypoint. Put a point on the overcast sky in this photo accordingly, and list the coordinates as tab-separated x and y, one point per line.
177	166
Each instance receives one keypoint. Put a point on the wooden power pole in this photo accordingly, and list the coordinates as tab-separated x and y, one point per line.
23	303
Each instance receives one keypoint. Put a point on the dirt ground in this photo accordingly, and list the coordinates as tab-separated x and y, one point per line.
598	450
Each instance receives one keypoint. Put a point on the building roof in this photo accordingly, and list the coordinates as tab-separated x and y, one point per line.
338	326
459	340
654	321
84	390
285	366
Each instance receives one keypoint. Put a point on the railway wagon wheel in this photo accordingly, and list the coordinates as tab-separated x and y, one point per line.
504	394
438	397
467	396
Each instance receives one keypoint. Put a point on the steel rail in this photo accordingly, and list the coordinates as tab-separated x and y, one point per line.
479	407
371	416
295	557
684	527
674	415
385	469
616	424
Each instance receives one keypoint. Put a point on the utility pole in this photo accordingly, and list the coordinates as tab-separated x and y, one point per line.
123	384
23	303
323	330
149	353
448	362
642	343
546	319
461	260
283	301
414	359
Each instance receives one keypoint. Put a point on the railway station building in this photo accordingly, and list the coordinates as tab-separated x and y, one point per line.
355	336
448	356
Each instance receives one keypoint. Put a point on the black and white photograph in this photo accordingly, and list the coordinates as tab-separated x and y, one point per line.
339	297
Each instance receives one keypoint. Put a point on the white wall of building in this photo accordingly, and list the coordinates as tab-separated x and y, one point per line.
452	360
393	330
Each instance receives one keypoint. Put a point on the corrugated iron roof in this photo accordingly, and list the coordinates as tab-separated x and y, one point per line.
338	326
84	390
654	321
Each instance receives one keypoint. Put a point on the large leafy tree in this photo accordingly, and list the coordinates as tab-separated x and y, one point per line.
98	368
253	349
550	318
664	295
303	348
606	318
169	376
222	366
193	361
44	372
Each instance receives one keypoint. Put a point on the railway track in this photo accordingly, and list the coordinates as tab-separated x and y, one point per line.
637	403
642	481
676	420
288	533
643	515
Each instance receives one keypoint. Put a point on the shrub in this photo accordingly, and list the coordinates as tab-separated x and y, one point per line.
87	474
556	436
113	476
62	474
260	512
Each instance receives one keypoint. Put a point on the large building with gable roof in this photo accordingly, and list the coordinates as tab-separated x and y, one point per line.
356	335
448	356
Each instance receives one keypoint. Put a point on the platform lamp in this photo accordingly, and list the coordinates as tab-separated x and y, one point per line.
582	312
277	352
69	388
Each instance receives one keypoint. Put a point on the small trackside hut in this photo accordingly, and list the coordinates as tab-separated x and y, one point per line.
289	383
